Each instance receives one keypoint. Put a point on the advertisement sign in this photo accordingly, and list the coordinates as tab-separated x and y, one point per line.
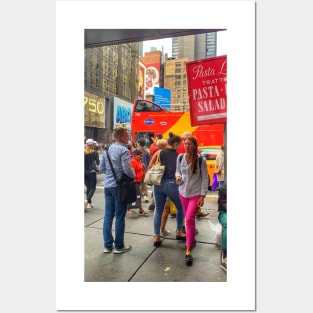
162	96
152	78
94	110
207	86
141	80
122	113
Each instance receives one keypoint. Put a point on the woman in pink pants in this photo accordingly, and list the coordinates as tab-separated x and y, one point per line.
192	178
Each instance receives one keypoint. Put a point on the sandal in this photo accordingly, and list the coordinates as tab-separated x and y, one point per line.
202	214
144	213
131	211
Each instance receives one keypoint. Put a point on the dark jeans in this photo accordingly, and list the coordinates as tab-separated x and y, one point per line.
112	209
90	183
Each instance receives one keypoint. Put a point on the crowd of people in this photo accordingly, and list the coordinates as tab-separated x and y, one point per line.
184	183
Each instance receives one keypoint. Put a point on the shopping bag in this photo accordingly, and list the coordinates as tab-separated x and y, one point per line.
214	182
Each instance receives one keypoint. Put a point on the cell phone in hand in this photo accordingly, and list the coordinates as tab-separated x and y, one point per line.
179	182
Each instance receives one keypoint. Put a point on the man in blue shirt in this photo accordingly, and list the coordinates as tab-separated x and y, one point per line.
120	157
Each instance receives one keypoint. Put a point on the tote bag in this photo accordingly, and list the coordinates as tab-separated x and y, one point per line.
155	173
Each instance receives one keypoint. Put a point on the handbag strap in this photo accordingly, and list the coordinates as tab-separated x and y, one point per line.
111	166
158	161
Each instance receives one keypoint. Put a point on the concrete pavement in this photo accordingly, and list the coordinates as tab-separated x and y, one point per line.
145	263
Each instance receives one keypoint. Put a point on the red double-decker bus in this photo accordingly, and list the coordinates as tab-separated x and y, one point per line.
149	119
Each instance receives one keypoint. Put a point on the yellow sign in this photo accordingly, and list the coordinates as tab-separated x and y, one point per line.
94	110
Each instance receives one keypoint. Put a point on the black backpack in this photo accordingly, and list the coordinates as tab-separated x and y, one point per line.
180	157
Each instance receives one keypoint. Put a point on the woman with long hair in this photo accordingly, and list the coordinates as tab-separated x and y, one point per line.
193	187
90	175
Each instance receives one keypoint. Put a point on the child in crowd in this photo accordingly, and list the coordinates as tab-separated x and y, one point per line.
222	218
138	166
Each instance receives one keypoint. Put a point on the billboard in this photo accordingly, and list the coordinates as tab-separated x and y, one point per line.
122	113
141	81
162	96
152	78
93	110
207	86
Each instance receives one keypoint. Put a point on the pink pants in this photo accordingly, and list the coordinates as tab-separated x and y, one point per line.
190	206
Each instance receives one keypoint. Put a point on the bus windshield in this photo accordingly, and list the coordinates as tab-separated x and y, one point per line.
145	106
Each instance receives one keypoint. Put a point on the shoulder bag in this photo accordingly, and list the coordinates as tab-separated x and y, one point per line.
155	173
126	187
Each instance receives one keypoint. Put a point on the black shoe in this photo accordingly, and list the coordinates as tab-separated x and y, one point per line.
151	207
157	243
188	259
180	238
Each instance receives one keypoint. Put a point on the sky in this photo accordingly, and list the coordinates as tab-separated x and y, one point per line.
167	44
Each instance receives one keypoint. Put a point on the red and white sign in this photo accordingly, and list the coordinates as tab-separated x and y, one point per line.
207	86
152	78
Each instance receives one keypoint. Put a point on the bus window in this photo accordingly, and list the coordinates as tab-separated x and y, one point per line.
143	106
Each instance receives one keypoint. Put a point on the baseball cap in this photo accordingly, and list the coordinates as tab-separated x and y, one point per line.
90	141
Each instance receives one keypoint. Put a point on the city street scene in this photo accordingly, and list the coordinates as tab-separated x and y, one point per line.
156	91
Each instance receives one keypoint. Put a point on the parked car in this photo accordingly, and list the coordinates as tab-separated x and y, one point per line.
210	153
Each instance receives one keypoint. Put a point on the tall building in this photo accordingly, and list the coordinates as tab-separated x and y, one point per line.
175	79
194	47
110	71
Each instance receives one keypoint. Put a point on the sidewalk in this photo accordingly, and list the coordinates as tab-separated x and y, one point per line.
145	263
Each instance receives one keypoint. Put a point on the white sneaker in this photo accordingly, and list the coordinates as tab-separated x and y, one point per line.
89	206
122	250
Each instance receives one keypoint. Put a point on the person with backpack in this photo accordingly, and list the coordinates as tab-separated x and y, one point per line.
192	179
181	150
